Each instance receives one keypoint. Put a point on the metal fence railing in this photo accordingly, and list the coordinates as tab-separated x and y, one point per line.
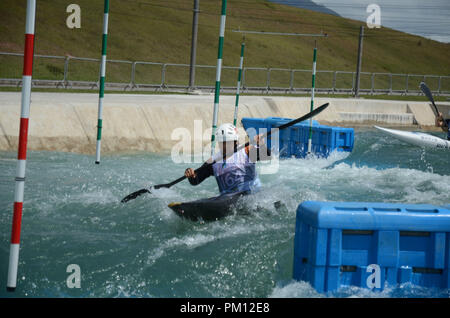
79	72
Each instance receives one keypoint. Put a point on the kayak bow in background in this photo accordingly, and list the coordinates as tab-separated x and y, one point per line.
417	138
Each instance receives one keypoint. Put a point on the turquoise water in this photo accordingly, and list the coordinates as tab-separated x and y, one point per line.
72	215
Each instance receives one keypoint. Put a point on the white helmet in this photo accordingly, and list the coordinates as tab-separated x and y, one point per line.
226	132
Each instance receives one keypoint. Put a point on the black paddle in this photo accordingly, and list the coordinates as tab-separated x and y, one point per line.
134	195
427	93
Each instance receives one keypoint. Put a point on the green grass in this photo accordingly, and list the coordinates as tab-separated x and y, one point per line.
160	31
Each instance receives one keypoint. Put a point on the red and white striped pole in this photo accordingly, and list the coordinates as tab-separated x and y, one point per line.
22	151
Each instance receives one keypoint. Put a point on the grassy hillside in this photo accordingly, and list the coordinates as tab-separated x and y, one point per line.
160	31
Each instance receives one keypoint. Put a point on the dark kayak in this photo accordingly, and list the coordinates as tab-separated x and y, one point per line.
210	209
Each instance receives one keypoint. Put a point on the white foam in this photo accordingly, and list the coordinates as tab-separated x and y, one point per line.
301	289
295	289
199	239
399	184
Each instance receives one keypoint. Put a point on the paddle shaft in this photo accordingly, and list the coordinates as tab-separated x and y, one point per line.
225	156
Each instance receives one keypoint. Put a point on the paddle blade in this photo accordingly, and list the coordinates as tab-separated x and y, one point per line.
428	94
134	195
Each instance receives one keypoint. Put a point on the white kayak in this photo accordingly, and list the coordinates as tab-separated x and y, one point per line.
417	138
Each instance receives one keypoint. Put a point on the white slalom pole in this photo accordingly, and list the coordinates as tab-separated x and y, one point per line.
238	89
102	82
22	151
312	98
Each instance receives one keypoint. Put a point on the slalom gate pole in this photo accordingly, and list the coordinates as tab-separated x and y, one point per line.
102	81
312	97
218	75
238	89
22	149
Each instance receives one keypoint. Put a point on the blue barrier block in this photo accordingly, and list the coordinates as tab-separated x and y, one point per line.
293	141
337	244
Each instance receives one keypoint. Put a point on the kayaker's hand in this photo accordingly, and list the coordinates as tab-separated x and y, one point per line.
190	173
440	120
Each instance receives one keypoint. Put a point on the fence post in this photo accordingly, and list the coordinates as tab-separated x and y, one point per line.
407	83
439	84
133	75
372	89
163	76
390	83
334	81
268	79
66	70
353	82
291	82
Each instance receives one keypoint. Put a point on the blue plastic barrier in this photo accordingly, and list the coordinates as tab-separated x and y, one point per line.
369	244
294	140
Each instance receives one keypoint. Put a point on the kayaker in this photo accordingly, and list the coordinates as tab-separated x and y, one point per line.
444	124
238	172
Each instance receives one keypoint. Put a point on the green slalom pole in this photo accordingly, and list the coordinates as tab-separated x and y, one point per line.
218	74
102	82
312	98
241	64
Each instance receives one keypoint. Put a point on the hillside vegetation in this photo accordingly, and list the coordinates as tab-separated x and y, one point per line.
160	31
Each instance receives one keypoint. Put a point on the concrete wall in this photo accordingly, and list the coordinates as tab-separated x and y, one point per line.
67	121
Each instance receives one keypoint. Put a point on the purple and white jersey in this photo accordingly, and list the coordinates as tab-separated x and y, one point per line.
236	174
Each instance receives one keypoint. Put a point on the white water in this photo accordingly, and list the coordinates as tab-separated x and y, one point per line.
73	214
